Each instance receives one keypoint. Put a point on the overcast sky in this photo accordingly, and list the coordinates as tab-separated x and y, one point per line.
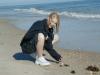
18	2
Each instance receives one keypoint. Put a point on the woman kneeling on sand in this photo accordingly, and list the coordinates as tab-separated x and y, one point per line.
41	36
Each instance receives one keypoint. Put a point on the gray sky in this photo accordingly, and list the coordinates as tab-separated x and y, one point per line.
18	2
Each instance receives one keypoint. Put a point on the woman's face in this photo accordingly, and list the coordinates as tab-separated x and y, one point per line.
53	21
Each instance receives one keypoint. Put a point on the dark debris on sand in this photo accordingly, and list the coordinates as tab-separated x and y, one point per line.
92	68
66	65
73	72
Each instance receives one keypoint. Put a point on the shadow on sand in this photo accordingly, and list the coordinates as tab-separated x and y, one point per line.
22	56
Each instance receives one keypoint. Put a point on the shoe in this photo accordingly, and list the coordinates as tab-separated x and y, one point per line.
42	61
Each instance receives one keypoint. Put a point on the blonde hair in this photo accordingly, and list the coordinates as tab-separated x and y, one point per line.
58	20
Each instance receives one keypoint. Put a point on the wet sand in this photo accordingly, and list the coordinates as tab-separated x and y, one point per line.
13	62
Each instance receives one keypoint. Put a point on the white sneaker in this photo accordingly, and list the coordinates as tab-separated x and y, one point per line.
42	61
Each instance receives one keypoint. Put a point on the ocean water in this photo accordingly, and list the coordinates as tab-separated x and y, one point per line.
80	21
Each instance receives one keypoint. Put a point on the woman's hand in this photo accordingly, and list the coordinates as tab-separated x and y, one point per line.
46	38
61	63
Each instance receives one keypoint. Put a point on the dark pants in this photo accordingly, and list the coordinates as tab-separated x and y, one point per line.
30	47
49	47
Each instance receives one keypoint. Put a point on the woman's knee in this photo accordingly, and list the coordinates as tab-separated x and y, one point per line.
41	36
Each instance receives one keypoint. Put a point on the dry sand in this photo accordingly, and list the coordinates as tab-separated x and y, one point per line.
13	62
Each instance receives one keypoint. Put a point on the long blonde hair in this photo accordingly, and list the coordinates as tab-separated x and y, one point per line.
58	20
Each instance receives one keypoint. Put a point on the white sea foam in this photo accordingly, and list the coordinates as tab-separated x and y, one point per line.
80	15
65	13
33	10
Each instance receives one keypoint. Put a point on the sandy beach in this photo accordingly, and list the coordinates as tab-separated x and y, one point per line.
13	62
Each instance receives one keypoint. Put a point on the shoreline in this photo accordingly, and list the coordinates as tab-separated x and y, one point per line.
13	62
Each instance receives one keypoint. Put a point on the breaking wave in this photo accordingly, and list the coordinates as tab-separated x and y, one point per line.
64	13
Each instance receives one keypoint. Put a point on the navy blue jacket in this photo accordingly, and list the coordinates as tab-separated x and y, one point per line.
31	35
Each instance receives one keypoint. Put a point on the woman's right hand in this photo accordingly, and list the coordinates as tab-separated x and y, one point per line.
46	37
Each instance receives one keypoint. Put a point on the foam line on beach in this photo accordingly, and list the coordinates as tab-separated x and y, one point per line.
63	13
